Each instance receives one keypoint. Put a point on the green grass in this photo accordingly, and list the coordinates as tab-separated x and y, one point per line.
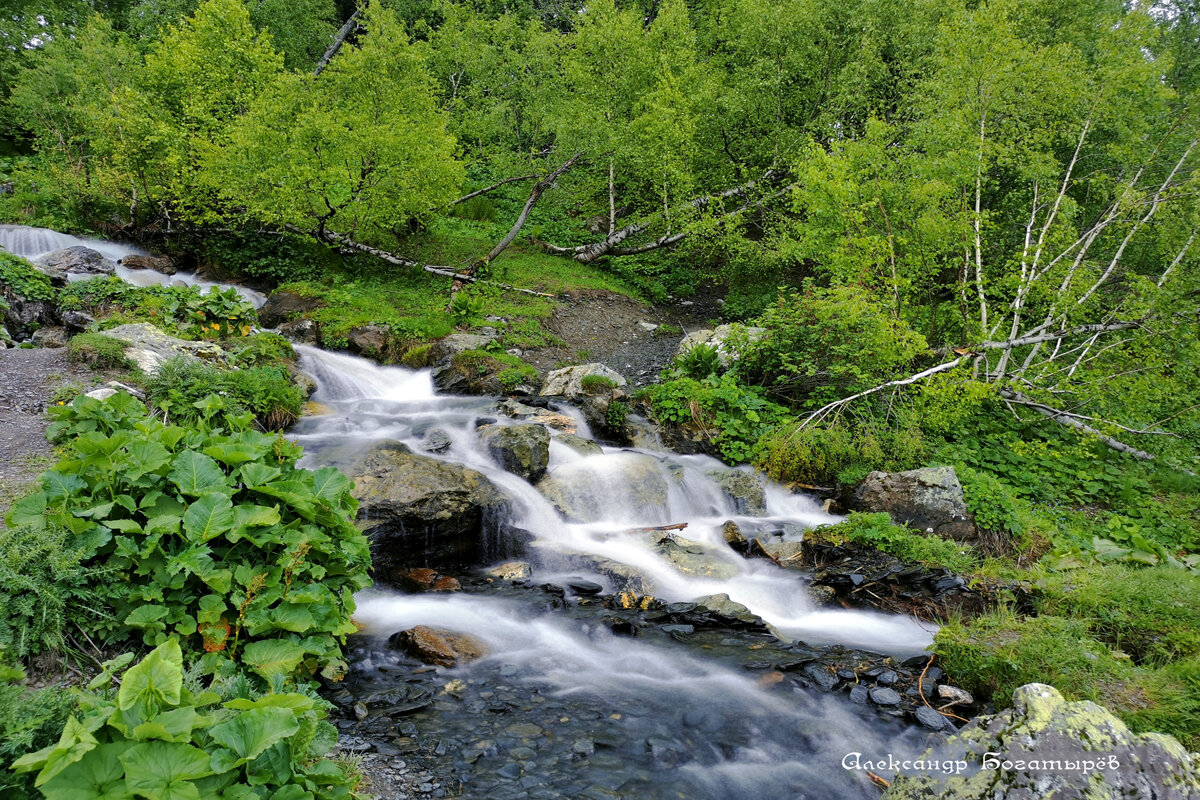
98	351
878	531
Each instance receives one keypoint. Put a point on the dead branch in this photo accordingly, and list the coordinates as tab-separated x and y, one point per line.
486	189
338	40
1070	420
678	526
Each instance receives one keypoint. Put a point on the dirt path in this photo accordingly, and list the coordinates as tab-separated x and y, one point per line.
29	380
615	330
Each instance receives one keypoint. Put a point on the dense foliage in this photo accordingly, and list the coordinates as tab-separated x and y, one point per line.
216	537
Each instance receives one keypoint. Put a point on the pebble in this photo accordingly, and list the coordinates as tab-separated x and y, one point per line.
887	678
955	694
859	695
930	718
883	696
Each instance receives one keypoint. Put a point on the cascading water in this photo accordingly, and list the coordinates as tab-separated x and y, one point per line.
743	741
33	243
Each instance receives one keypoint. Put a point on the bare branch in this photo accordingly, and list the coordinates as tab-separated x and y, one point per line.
338	40
1070	420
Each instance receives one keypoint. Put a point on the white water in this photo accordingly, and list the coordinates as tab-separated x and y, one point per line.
33	243
371	403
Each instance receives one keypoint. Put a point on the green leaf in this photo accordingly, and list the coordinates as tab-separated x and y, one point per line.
329	483
99	776
208	517
147	618
234	453
58	485
248	515
155	683
195	474
259	474
173	726
294	618
272	657
252	732
164	770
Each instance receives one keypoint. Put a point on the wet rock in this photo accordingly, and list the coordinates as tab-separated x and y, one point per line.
445	583
417	509
727	353
300	331
734	537
930	718
530	413
783	552
304	382
283	307
1041	726
859	695
511	571
371	340
440	647
436	441
313	409
51	336
887	678
743	488
821	595
61	265
568	381
585	447
523	450
455	343
692	558
729	610
21	317
929	500
149	347
883	696
584	587
955	695
632	480
161	264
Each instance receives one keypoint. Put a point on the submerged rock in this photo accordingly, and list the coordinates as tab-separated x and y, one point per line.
543	416
440	647
419	510
523	450
511	571
1042	730
149	347
61	265
589	490
743	488
930	500
691	558
585	447
568	381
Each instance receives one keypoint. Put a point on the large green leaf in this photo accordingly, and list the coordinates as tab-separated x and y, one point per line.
165	770
208	517
251	732
195	474
250	515
173	726
57	485
147	618
75	742
99	776
154	683
329	483
148	456
273	657
257	474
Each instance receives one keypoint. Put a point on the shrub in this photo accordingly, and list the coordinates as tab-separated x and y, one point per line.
155	737
182	386
270	258
822	344
732	416
878	531
614	415
697	362
667	329
597	384
465	307
479	209
29	720
98	351
993	504
416	357
264	349
223	542
841	451
23	279
186	311
46	589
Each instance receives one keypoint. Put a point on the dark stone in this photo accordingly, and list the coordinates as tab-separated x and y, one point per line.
883	696
858	694
283	306
157	263
77	261
523	450
887	678
821	676
76	320
437	441
930	718
584	587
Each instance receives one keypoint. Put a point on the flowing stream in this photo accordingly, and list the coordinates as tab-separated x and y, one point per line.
33	243
683	721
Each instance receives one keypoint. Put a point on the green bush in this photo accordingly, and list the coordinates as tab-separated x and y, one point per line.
823	344
98	351
154	737
416	357
215	537
269	258
841	451
264	349
186	311
47	589
994	504
878	531
23	279
479	209
732	416
29	720
994	654
697	362
182	386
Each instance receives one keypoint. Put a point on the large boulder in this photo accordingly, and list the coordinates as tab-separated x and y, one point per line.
282	306
157	263
568	381
930	500
420	511
523	450
371	340
1027	753
74	262
592	489
436	646
691	558
450	346
149	347
719	338
543	416
743	488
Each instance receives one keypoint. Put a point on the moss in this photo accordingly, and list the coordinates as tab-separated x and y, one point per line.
878	531
597	384
417	356
98	351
